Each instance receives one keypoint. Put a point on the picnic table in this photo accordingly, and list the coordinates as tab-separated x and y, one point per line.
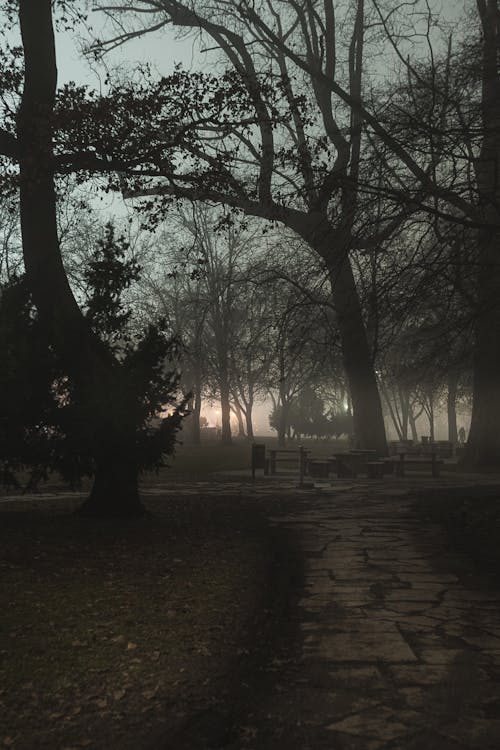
349	464
405	458
285	455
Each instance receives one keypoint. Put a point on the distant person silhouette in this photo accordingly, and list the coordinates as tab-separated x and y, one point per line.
461	435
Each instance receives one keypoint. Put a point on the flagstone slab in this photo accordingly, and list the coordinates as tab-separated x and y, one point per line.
380	723
439	655
358	677
418	674
363	641
481	734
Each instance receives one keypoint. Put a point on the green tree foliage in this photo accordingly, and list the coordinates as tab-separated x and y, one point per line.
45	424
308	418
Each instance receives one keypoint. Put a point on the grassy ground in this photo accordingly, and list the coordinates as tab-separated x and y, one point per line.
110	634
472	519
196	462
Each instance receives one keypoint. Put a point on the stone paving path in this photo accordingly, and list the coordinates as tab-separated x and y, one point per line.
400	649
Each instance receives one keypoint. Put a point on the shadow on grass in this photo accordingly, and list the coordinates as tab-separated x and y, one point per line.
119	635
471	517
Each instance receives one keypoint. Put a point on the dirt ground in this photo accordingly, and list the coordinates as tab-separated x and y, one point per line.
114	635
183	629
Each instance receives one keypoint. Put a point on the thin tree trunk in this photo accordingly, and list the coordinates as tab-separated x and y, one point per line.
283	424
88	362
192	423
239	418
451	408
225	406
404	400
248	420
392	412
430	414
413	425
195	411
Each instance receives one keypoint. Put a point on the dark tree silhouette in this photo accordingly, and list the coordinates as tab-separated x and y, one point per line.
284	152
108	392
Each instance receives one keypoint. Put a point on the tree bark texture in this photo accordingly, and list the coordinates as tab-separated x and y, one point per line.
451	408
369	428
249	422
283	423
483	445
225	407
239	419
87	360
413	426
196	433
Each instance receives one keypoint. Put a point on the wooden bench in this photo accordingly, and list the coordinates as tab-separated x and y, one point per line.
356	461
430	460
316	467
283	455
375	469
348	465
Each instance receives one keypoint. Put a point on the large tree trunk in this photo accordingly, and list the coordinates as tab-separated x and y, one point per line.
483	445
333	247
369	428
87	360
115	490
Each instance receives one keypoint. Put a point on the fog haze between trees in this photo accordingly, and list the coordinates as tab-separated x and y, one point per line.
307	220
